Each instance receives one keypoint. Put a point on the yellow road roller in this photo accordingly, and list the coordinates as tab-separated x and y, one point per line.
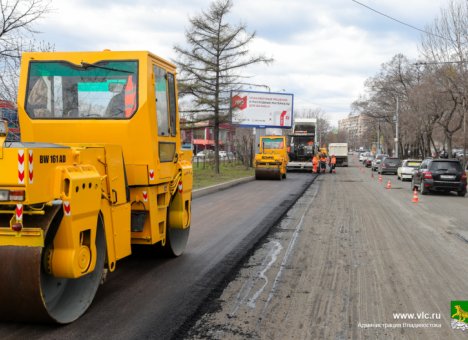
99	168
271	161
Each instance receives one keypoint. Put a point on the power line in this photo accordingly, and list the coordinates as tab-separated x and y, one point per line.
440	62
401	22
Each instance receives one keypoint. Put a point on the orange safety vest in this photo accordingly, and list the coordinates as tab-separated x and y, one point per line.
130	97
315	160
333	160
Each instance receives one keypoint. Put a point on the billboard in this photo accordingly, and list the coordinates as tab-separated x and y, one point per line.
262	109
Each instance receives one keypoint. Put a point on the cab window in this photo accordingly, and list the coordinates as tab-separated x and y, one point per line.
172	103
273	143
61	90
162	107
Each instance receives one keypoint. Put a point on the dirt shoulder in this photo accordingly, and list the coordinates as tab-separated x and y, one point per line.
340	265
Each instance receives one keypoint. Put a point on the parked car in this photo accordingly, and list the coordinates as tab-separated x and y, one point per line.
389	165
377	160
406	170
225	155
205	154
230	155
363	155
368	161
440	175
222	154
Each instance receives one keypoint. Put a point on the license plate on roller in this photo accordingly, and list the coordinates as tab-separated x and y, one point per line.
447	177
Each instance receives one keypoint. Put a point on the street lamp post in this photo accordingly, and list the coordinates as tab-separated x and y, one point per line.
396	128
464	132
378	138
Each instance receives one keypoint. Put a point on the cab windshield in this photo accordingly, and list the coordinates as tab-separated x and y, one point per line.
273	143
61	90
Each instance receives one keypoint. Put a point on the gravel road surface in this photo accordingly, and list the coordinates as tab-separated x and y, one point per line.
347	257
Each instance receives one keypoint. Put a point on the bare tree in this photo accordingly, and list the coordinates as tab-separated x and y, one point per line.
16	36
211	65
426	113
445	48
244	142
393	83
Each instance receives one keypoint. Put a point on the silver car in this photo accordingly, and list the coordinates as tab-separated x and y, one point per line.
363	156
377	160
389	165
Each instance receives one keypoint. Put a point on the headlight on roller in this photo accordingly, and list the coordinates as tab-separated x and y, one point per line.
4	195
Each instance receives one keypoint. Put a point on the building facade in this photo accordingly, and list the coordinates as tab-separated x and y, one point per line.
356	128
200	135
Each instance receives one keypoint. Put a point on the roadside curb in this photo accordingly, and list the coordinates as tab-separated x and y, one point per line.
218	187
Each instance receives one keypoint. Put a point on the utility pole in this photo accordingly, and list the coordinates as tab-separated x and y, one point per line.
464	132
396	128
378	138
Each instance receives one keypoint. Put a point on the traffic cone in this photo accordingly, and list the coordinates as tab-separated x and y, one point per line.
415	197
389	185
380	178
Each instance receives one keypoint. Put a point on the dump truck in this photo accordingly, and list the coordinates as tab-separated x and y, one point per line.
99	169
271	161
340	150
302	144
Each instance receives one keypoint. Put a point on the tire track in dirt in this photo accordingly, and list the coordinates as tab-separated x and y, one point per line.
362	254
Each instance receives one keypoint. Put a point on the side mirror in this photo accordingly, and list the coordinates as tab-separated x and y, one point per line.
3	133
3	128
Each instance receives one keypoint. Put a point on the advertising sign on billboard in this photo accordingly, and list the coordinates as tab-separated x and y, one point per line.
262	109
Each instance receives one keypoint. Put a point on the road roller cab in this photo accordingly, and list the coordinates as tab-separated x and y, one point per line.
271	161
98	169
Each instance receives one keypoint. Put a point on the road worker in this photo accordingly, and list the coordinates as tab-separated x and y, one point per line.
332	163
315	163
323	163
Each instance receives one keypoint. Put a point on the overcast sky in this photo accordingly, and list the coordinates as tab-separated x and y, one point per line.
323	49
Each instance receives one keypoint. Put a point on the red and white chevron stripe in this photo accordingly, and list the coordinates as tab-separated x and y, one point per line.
66	208
21	166
19	212
31	167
